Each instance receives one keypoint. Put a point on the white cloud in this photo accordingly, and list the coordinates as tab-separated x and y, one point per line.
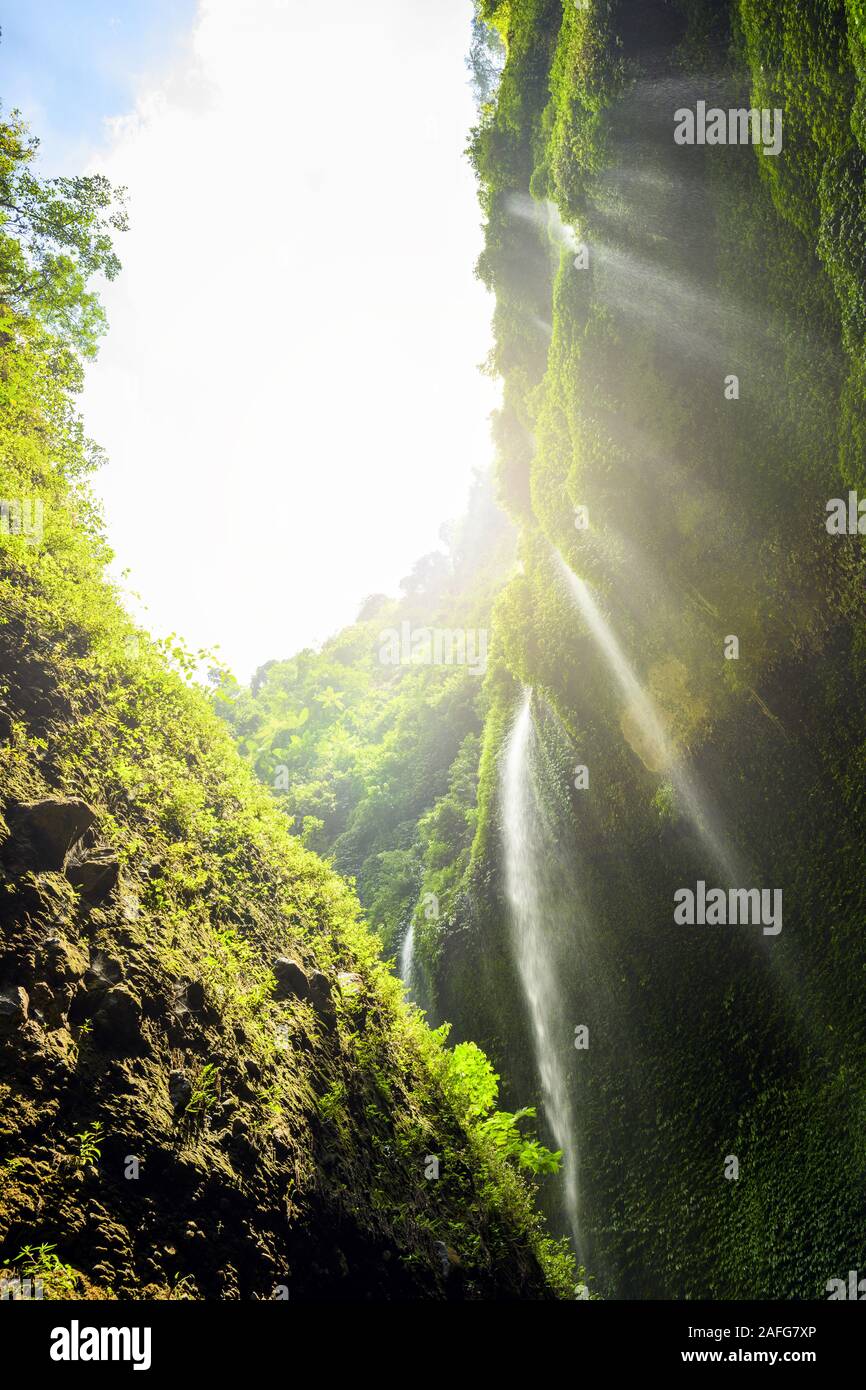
289	394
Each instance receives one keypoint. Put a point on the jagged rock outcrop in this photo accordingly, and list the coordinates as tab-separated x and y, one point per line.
291	978
95	874
43	832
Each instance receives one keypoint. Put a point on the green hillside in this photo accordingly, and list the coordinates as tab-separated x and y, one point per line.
376	760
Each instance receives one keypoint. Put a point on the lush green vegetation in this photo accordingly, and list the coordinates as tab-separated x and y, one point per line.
706	515
376	763
706	519
173	1124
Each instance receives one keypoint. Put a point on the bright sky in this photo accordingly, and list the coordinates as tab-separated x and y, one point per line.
289	393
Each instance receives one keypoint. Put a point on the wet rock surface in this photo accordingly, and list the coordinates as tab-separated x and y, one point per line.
322	998
117	1021
14	1008
179	1090
291	978
95	875
43	832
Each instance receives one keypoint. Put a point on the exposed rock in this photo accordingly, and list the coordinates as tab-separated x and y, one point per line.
243	1152
194	995
350	982
31	897
291	978
322	998
117	1021
320	987
178	1007
95	875
130	908
43	832
41	998
179	1089
104	971
282	1144
449	1260
51	1005
14	1005
61	960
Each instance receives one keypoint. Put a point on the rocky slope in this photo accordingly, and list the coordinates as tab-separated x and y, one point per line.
208	1082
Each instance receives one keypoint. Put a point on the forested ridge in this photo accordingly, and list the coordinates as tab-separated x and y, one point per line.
375	761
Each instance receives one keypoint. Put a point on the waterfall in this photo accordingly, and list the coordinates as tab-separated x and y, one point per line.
528	854
406	955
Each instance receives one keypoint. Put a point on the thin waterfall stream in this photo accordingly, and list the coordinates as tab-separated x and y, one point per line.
527	855
406	955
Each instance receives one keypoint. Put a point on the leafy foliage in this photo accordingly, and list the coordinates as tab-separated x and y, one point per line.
375	764
476	1087
55	235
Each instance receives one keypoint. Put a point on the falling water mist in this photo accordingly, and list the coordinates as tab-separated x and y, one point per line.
695	801
406	955
527	859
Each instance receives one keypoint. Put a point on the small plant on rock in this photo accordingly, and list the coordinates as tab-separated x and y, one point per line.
204	1093
90	1146
41	1262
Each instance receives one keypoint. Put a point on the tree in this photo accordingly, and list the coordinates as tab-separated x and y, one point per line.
486	59
428	575
55	235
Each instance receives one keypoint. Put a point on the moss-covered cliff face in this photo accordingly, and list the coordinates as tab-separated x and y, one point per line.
209	1083
635	279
